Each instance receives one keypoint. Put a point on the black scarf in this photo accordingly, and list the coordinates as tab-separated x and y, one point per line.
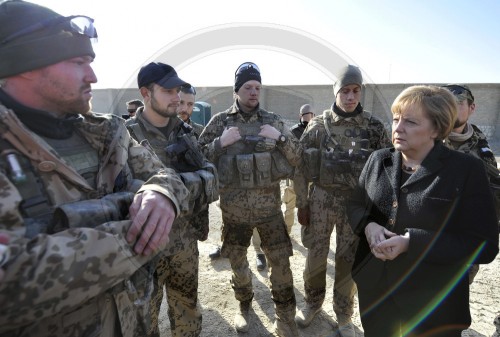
41	122
342	113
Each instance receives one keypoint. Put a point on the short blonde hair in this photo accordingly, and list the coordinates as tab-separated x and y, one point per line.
438	103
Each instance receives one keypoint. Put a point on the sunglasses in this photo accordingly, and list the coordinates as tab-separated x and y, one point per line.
77	24
131	110
458	90
245	66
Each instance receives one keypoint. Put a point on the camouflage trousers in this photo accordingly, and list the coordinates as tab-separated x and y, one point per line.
328	211
277	246
288	198
179	275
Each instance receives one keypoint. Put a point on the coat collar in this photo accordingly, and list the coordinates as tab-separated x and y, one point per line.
432	163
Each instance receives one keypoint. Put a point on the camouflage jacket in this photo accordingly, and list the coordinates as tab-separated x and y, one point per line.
197	128
264	201
316	133
477	145
156	141
76	282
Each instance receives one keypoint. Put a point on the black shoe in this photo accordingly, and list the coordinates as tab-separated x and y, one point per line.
261	262
215	254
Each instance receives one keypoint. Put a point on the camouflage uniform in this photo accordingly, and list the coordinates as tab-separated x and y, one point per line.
76	281
244	208
326	200
478	146
177	269
197	128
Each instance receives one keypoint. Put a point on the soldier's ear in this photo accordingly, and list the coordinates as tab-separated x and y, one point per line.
472	108
145	92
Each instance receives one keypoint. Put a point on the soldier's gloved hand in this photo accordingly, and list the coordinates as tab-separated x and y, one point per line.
229	136
304	215
269	131
152	215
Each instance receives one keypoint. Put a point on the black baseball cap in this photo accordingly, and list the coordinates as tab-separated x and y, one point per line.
161	74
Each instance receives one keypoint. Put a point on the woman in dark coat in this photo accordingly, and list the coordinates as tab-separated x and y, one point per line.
424	214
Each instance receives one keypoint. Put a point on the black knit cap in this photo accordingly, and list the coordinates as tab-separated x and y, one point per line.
48	45
247	71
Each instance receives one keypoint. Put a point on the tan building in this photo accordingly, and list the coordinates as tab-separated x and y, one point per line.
287	100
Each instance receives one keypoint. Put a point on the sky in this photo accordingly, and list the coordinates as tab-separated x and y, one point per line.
425	41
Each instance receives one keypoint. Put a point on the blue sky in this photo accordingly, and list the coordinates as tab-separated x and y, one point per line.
392	41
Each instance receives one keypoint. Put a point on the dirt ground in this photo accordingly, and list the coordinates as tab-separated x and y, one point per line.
219	305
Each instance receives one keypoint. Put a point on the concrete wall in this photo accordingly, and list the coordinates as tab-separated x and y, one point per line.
286	101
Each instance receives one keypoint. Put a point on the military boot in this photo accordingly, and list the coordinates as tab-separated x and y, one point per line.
285	326
285	329
346	327
241	319
306	315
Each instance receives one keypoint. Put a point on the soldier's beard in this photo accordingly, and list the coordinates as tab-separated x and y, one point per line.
168	112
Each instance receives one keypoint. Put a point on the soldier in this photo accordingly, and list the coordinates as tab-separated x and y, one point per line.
253	151
289	198
173	141
468	138
132	107
336	145
185	110
306	114
67	180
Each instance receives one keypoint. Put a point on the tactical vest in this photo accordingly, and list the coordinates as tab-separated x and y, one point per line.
253	161
199	176
343	152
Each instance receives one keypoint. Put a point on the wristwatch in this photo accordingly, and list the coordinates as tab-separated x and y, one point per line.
282	139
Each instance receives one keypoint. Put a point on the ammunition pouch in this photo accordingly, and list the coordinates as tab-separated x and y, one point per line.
358	160
327	166
311	164
193	183
203	188
244	164
280	168
92	213
263	168
254	170
227	169
332	163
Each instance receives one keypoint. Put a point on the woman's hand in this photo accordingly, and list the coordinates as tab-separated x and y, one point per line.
375	234
394	246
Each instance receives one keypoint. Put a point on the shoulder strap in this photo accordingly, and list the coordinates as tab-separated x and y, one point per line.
136	130
12	131
327	121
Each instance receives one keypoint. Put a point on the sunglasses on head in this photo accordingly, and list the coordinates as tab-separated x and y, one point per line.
77	24
458	90
245	66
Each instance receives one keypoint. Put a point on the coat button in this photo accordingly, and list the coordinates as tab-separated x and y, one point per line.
394	204
391	221
404	190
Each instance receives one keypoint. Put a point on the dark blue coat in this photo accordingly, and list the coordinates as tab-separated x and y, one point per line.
447	207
